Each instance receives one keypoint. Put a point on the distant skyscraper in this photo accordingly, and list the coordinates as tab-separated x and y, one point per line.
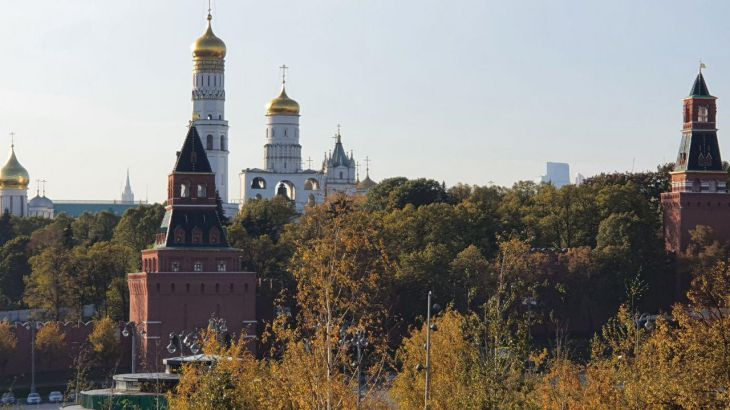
127	194
558	174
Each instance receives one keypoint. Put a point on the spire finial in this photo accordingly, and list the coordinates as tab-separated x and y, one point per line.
12	139
283	73
210	16
702	65
38	188
367	166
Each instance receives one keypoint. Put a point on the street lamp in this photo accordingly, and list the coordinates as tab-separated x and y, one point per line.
429	328
135	332
33	326
177	341
360	341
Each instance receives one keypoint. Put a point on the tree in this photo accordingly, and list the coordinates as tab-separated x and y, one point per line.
52	285
395	193
454	361
99	266
265	217
104	340
13	268
138	226
7	232
91	228
470	276
50	341
8	341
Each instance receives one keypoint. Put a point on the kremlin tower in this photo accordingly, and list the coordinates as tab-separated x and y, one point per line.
699	193
191	272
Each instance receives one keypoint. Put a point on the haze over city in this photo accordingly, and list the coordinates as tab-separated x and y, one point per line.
460	92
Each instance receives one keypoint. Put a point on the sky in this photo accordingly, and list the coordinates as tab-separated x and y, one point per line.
476	92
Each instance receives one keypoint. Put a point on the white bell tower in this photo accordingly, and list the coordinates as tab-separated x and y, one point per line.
209	97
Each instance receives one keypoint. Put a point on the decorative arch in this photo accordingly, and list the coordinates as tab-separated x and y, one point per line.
185	189
286	189
209	142
311	184
258	183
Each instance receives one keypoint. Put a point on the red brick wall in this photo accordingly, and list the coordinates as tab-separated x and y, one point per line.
684	211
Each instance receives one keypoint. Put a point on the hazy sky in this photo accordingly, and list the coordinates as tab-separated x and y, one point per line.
460	91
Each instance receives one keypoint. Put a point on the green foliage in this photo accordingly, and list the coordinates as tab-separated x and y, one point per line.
51	285
14	267
7	232
395	193
91	228
138	226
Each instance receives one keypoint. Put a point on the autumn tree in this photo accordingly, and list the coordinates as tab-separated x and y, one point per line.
104	340
8	342
50	341
138	226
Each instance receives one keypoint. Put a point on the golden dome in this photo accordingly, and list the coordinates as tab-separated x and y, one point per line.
282	105
208	45
12	174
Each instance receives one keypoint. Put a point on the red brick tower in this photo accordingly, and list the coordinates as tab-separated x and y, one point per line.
699	185
191	272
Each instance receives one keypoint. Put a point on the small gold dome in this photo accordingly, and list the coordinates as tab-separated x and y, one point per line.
12	174
282	105
208	45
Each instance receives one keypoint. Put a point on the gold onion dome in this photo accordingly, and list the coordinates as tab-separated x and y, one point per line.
12	174
282	105
208	45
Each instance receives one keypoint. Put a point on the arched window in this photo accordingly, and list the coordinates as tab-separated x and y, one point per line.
202	288
197	236
209	142
198	266
258	196
175	266
202	191
172	287
221	266
214	236
223	142
217	287
311	184
179	235
184	190
702	114
340	174
258	183
696	186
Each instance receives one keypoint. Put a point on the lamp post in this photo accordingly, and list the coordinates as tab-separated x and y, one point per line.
177	341
360	340
429	328
32	325
135	331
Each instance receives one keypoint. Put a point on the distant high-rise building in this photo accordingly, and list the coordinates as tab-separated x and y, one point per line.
558	174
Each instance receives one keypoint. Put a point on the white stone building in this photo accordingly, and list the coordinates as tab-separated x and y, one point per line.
209	98
14	180
283	173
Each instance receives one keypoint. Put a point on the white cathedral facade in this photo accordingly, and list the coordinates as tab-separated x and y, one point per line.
283	173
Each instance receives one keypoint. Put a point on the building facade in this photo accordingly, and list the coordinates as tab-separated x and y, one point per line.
699	193
557	174
283	173
191	272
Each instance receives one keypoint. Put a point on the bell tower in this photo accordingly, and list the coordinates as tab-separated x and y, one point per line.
699	184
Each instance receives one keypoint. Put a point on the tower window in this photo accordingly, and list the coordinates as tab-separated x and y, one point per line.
702	114
221	266
198	266
184	190
202	191
175	266
223	142
209	142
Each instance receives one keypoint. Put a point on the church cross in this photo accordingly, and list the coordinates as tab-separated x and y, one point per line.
309	161
283	73
12	139
43	181
367	165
